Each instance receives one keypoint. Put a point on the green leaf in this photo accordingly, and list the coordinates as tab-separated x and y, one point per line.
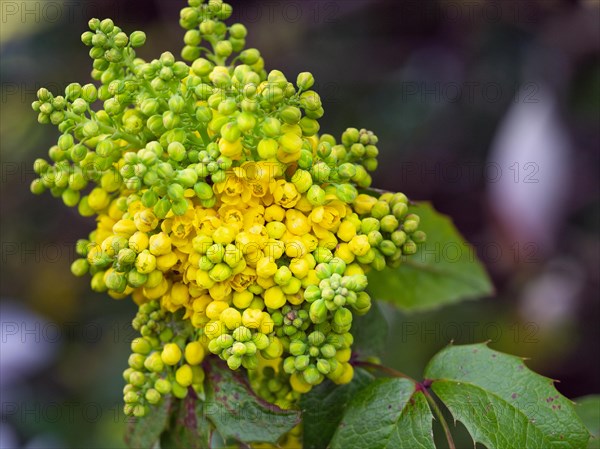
143	433
388	414
588	409
370	332
501	402
238	413
323	408
445	269
189	427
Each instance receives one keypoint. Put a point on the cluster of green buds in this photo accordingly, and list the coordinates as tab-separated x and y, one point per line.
238	338
165	360
335	291
390	230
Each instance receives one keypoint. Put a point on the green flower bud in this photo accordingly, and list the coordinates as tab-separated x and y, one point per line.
312	375
302	180
305	80
137	379
126	257
409	226
131	397
97	282
187	177
261	341
310	101
176	104
318	311
116	281
136	361
419	237
90	129
223	48
89	94
320	172
163	386
297	348
312	293
309	126
238	31
380	209
316	338
179	391
238	349
189	52
399	210
179	206
289	365
342	320
350	136
192	38
363	303
170	120
409	247
316	195
306	160
250	56
370	164
137	39
389	223
328	351
301	362
136	279
357	150
399	238
242	334
290	115
387	247
250	362
234	362
378	262
80	267
346	192
152	396
162	208
271	127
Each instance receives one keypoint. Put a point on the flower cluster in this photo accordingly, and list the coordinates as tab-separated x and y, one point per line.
237	227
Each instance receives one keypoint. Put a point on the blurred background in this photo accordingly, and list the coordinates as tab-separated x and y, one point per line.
489	109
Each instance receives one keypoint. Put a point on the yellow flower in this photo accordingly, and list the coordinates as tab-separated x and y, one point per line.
160	244
285	193
145	220
232	150
274	213
296	222
124	227
329	216
274	298
241	281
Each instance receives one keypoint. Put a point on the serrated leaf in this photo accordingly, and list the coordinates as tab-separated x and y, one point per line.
323	408
588	410
143	433
501	402
238	413
445	269
388	414
370	332
189	428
